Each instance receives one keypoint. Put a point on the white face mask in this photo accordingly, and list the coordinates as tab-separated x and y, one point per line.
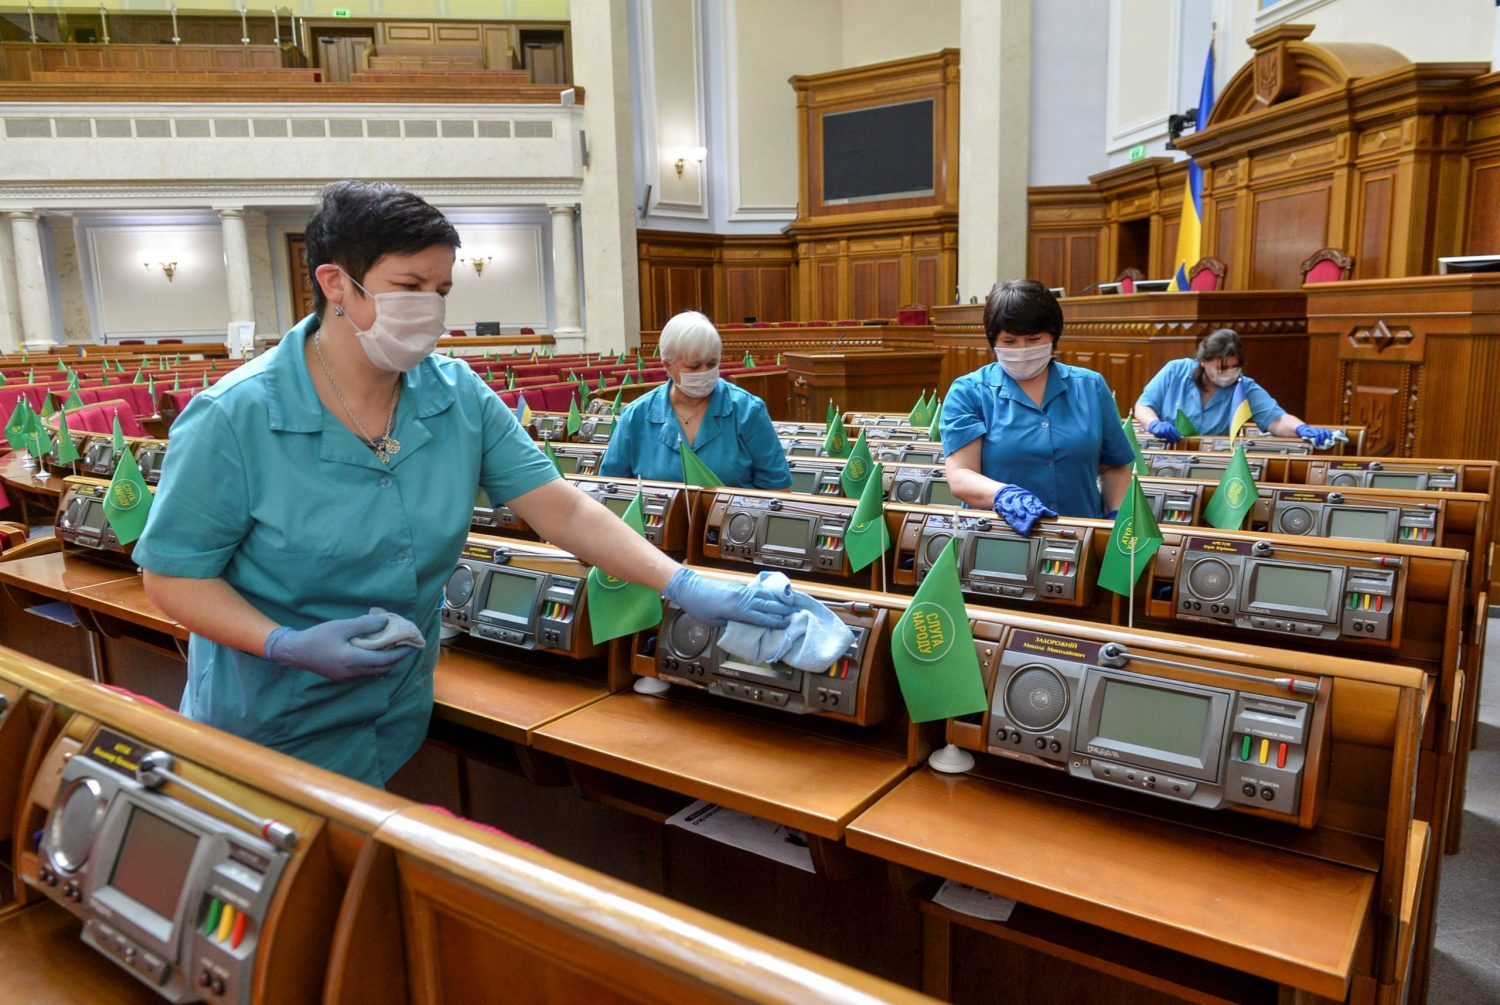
1025	362
406	328
1223	378
699	384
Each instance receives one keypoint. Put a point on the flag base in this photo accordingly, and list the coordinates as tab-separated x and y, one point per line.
950	760
650	685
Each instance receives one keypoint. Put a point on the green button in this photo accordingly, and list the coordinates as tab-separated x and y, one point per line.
1245	748
216	907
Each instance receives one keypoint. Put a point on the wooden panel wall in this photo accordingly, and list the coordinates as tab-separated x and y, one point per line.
727	278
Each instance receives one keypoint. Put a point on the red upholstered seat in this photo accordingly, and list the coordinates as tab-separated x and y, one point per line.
10	393
912	314
510	398
731	326
1324	272
132	341
1208	274
818	324
788	324
551	397
762	324
1127	285
137	395
1327	265
528	331
99	418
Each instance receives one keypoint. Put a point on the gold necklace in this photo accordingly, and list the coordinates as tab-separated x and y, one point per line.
383	445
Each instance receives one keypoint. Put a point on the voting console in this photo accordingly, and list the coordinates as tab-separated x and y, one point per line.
1054	564
174	895
1213	736
663	510
81	525
519	595
1358	473
1328	513
796	534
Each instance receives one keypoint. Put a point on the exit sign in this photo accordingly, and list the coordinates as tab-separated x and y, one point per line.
1137	152
341	12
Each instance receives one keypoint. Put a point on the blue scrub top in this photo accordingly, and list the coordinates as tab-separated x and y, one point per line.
735	439
1173	388
1056	449
265	488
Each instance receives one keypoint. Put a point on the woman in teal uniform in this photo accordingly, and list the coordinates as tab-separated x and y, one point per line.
337	473
1203	386
726	426
1027	435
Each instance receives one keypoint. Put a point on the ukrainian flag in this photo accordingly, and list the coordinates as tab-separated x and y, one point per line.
1239	411
523	410
1190	236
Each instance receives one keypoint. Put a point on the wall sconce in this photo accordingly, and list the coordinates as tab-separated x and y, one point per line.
478	262
168	268
685	154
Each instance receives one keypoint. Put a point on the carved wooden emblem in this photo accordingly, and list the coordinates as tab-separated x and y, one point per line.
1380	337
1276	77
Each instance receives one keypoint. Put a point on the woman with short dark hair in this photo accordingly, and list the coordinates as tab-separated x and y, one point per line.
336	474
1202	387
1027	435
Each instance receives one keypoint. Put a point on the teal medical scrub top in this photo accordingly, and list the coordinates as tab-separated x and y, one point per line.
265	488
735	439
1054	449
1173	388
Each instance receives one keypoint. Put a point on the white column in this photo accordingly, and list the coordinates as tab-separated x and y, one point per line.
1495	50
31	281
601	66
10	306
994	111
564	272
237	265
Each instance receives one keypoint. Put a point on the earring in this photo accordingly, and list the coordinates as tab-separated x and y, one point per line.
338	311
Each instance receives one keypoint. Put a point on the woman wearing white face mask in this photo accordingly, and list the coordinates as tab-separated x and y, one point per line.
336	474
1203	386
1027	435
726	426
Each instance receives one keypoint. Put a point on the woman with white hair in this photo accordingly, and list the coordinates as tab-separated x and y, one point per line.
725	425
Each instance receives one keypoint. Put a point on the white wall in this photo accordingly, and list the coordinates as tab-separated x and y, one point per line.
511	287
875	31
1421	30
130	301
1069	82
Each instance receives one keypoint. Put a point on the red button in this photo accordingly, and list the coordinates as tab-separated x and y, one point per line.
239	919
1280	763
1379	602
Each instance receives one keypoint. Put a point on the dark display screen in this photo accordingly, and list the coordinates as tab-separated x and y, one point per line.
1392	480
92	515
942	495
786	532
1205	471
804	481
567	464
802	452
881	152
512	594
1359	524
1286	586
153	862
1153	718
617	506
1002	555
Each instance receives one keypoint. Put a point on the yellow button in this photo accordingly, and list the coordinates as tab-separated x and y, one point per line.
226	920
1265	752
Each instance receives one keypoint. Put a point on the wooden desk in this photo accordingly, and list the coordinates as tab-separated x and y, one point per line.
37	497
1285	917
863	381
57	576
799	779
507	702
46	963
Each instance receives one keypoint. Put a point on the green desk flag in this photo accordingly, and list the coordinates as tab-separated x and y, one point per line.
602	382
857	468
749	360
1131	544
1234	496
867	538
117	439
62	367
831	412
1184	425
151	391
618	607
67	453
38	442
74	401
836	440
48	410
510	379
916	417
551	455
1140	465
694	471
2	380
205	380
627	380
582	391
104	378
72	380
935	427
778	359
18	425
128	500
140	377
31	376
619	397
933	648
575	420
620	360
177	382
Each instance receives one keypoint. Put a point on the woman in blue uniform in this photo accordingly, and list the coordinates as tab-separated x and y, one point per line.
337	473
726	426
1202	387
1027	435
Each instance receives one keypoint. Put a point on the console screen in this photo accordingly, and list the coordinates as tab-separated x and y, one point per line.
1286	586
1002	555
92	517
567	464
942	495
1394	480
512	594
1207	472
802	452
804	481
786	532
1152	718
616	506
1358	524
153	862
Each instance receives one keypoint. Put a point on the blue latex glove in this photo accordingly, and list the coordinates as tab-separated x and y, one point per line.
1321	439
1020	508
1164	429
325	649
717	603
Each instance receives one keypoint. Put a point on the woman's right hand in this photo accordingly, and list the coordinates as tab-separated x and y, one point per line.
1164	429
325	649
1020	508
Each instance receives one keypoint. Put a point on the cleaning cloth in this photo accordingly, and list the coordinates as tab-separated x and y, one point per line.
398	631
812	641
